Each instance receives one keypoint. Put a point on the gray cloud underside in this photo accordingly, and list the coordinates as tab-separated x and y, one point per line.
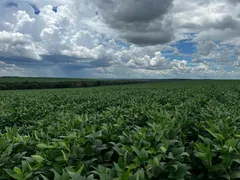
139	22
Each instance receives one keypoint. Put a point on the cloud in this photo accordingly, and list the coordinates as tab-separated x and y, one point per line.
34	4
234	1
206	47
226	22
11	4
35	8
111	38
210	20
209	50
17	44
136	23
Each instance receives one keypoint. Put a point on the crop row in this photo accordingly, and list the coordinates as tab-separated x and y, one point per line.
125	132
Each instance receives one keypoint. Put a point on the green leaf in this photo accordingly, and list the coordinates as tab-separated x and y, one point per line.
63	145
108	155
17	170
184	154
76	176
126	158
39	159
56	175
237	161
231	143
13	174
164	150
175	166
217	136
120	162
44	178
95	135
140	175
136	151
156	161
226	176
235	175
144	154
90	177
42	146
80	169
237	135
64	156
65	175
28	175
72	135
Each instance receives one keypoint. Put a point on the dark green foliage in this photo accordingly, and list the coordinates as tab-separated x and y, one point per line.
10	84
186	130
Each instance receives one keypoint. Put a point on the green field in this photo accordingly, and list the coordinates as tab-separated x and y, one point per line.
167	130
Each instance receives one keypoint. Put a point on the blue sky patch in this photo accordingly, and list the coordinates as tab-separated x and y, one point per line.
119	42
55	9
185	46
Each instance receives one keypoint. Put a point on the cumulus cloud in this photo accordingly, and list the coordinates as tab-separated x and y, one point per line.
125	38
206	47
17	44
211	20
210	50
139	22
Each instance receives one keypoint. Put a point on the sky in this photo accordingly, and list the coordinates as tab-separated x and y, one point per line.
120	38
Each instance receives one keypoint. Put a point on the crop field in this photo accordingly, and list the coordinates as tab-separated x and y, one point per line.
167	130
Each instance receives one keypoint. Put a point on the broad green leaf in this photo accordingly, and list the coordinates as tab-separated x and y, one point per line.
42	146
56	175
44	178
231	143
235	175
38	158
140	175
14	175
137	151
17	170
217	136
76	176
184	154
164	150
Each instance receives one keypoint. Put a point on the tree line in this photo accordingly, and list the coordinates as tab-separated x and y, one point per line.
63	84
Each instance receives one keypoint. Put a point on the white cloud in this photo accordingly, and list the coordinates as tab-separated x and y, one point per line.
11	70
20	45
216	20
89	38
136	23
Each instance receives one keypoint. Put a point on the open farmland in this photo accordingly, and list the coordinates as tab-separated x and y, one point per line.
167	130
